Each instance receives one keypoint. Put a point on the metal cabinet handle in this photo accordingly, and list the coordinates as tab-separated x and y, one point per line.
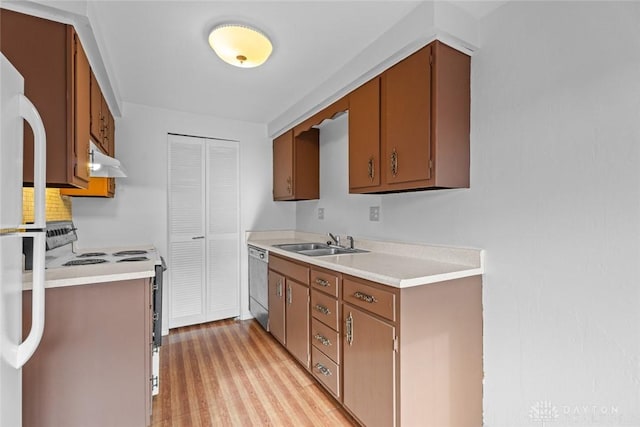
349	329
324	340
289	185
323	369
289	297
322	309
364	297
371	169
394	163
322	282
279	289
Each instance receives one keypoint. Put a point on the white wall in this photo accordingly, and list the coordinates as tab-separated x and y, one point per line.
138	213
554	200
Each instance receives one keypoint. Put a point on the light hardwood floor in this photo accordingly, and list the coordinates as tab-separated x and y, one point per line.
233	373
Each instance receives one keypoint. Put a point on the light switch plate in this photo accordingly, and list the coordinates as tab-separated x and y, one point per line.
374	213
320	213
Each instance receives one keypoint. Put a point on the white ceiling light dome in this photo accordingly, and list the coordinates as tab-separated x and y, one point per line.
240	45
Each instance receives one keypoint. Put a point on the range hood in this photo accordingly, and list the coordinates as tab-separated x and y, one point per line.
102	165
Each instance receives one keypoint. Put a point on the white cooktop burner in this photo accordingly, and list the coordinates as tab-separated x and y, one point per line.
61	253
64	256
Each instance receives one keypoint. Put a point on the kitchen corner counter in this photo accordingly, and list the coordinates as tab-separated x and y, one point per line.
395	264
88	274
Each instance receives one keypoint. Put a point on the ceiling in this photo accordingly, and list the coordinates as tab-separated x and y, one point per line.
157	53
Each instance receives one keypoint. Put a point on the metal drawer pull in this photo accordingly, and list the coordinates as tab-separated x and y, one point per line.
279	289
364	297
323	369
289	297
322	339
322	309
349	322
322	282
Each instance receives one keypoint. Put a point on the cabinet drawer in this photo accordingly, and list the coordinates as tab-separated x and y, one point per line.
326	340
298	272
325	309
375	300
326	371
325	281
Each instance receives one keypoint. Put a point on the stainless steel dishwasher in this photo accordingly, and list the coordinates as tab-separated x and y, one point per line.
259	285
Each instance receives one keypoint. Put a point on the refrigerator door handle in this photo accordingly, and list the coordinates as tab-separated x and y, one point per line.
29	345
29	112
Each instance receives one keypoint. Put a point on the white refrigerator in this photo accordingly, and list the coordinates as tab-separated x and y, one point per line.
15	108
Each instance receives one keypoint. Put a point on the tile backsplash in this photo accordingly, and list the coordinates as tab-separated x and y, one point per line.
58	206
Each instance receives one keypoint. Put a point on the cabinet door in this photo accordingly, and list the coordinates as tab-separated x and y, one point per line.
283	185
406	119
276	306
364	136
42	51
297	318
107	124
97	123
369	374
82	83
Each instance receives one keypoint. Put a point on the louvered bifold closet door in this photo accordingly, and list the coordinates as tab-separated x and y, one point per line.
222	215
186	231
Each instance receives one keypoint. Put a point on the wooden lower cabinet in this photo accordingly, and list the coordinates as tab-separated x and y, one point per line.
297	321
276	306
93	365
289	306
396	356
369	368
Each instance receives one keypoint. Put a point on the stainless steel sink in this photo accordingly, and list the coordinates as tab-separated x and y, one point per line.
317	249
331	251
297	247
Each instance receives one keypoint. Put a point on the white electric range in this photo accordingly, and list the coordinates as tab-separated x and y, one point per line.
62	255
61	238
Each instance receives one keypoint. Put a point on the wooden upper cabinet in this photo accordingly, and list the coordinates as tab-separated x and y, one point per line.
102	123
100	127
96	111
423	131
364	136
81	119
406	112
283	166
296	166
46	55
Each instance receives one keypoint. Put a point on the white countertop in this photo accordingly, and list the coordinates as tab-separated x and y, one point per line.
395	264
97	273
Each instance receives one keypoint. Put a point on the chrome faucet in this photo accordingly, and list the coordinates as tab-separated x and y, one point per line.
336	239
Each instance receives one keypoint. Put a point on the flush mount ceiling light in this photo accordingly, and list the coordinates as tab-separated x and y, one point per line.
240	45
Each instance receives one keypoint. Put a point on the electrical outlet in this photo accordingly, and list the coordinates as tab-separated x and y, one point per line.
374	213
320	213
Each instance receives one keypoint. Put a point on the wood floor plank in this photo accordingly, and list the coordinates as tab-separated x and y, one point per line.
233	373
